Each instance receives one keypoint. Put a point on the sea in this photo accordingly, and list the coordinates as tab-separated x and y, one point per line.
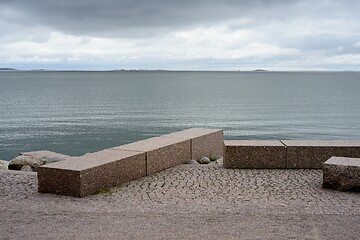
78	112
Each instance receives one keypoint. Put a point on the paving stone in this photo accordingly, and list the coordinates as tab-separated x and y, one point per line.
187	201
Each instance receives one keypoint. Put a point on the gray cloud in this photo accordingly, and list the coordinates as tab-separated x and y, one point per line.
131	17
209	33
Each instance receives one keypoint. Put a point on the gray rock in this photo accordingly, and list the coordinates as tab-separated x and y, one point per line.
47	156
26	168
25	160
214	158
219	161
4	165
192	162
342	173
35	159
204	160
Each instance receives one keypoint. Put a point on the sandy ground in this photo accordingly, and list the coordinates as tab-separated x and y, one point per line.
185	202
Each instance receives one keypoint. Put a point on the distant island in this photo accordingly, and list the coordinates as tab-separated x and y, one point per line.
260	70
7	69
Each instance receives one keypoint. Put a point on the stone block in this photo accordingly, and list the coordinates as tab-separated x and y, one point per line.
81	176
161	152
254	154
342	173
204	141
313	153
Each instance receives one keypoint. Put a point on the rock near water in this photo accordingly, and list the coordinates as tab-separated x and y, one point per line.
35	159
4	165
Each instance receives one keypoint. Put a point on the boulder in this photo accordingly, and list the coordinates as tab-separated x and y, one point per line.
342	173
47	156
35	159
219	161
204	160
192	162
26	168
4	165
25	160
214	158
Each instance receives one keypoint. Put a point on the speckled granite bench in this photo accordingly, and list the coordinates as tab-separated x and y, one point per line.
81	176
254	154
342	173
161	153
313	153
203	141
291	154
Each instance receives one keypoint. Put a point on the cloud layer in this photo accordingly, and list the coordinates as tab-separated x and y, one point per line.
194	35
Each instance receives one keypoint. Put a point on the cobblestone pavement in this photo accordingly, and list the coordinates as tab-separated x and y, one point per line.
185	202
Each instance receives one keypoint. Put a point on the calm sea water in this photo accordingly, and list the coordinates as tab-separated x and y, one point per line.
78	112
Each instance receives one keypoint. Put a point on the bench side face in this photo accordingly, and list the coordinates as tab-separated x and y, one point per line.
210	145
113	173
244	154
59	181
315	156
169	156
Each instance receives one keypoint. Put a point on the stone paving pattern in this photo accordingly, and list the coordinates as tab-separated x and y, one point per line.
185	202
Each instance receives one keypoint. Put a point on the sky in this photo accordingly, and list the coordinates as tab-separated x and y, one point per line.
279	35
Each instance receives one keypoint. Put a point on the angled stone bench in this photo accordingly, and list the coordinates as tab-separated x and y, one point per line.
81	176
342	173
161	153
313	153
254	154
204	142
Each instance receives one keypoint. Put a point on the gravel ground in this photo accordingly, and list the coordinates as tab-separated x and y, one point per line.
185	202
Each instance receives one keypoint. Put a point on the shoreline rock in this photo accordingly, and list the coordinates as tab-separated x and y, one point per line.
34	160
4	165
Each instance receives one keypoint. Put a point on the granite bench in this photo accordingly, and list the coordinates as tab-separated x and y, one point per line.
313	153
290	154
204	142
254	154
342	173
160	153
81	176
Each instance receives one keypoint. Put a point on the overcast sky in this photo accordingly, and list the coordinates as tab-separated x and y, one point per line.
180	34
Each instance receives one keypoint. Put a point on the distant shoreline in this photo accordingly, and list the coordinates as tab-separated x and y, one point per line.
157	71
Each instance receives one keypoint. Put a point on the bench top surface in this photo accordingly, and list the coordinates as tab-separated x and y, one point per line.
192	133
344	161
91	160
150	144
322	143
254	143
